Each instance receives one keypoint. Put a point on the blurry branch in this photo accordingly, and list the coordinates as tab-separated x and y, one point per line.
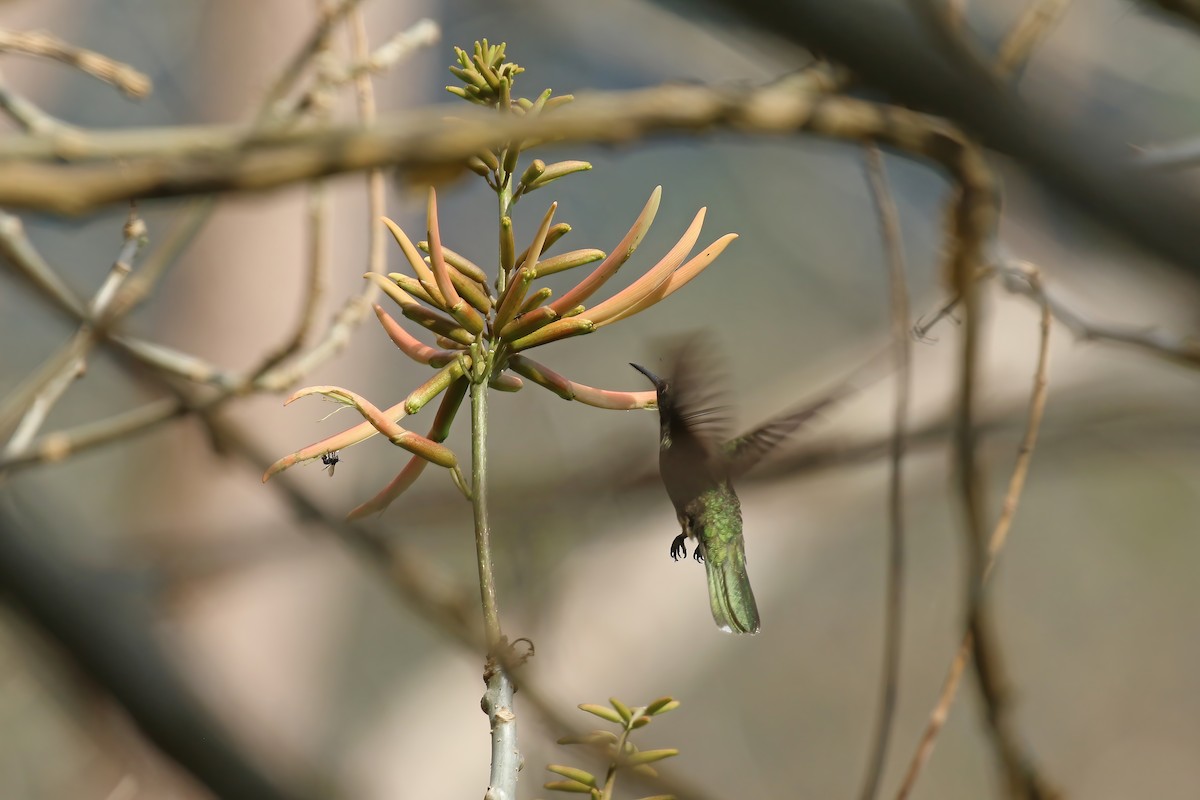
170	162
894	608
1188	10
944	20
1085	165
1174	347
21	256
1181	155
998	712
58	445
972	221
29	117
275	373
270	108
1167	345
61	597
366	63
38	394
318	211
107	635
1033	26
45	45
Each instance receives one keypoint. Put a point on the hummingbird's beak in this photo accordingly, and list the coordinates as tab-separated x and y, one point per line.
658	382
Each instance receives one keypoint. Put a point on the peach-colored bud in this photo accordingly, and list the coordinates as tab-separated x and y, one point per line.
561	329
528	323
680	277
536	299
507	245
410	345
418	290
447	375
571	390
506	383
460	262
575	258
619	255
556	232
431	451
411	255
632	294
558	169
391	289
339	441
459	309
406	478
514	297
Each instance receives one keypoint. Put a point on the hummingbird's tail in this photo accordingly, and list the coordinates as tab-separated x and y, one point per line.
729	593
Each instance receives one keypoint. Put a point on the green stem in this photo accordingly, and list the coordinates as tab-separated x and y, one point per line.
483	530
498	699
610	780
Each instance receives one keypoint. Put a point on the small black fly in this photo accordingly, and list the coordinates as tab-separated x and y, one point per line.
330	460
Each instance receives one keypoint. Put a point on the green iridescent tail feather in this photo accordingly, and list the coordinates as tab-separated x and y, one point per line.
729	593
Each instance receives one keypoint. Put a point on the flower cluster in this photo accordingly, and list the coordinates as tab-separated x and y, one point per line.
622	754
483	330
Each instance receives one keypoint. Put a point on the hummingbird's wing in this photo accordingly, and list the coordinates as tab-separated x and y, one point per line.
697	384
746	450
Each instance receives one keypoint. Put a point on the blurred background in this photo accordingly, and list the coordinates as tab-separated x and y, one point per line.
322	674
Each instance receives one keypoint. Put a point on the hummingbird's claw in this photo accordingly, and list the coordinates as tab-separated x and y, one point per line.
698	554
678	548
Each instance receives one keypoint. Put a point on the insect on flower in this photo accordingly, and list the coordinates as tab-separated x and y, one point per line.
330	460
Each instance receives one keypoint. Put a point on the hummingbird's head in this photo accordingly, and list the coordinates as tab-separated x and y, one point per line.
659	384
664	404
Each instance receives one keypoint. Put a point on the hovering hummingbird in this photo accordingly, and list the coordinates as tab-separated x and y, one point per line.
698	464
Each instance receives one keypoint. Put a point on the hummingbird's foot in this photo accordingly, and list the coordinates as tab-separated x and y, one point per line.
698	554
678	548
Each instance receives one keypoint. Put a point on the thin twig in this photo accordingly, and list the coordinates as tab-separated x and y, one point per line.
32	119
40	43
1012	497
894	608
1033	26
37	395
1179	155
19	251
318	212
1168	345
944	21
421	34
271	109
1021	775
356	309
1174	347
25	260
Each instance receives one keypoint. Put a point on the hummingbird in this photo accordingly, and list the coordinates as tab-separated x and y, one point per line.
699	465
